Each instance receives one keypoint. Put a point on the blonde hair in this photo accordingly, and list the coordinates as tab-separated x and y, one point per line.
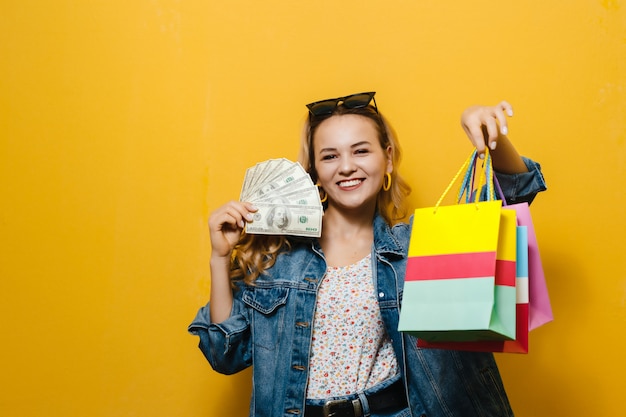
256	253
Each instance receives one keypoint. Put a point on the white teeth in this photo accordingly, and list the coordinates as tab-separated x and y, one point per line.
350	183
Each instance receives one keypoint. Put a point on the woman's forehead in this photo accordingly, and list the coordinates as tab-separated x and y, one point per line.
345	130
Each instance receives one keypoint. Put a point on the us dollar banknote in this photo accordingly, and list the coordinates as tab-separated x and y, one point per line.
278	219
288	201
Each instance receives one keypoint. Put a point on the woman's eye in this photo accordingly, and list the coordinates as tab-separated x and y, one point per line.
327	157
361	151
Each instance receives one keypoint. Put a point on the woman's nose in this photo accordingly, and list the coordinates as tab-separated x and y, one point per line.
347	166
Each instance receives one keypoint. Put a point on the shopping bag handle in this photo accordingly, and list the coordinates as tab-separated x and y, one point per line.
486	172
494	190
496	183
469	171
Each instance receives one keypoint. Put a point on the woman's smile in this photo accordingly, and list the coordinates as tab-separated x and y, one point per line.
350	184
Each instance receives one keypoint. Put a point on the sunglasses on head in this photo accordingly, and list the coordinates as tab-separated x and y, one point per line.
353	101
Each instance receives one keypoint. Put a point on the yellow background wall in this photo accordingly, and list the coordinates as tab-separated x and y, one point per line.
124	123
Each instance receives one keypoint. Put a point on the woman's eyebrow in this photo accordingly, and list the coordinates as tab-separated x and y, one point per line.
354	145
361	143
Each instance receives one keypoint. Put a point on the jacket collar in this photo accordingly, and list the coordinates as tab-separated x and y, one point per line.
385	242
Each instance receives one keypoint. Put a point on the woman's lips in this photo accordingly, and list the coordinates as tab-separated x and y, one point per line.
350	183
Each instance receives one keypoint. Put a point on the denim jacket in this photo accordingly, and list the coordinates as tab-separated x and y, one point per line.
271	325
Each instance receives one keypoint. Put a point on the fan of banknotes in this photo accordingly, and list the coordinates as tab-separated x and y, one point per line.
288	201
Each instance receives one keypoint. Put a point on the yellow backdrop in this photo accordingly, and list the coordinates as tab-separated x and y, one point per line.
124	123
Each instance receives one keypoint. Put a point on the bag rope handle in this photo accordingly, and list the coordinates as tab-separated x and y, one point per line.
467	185
445	192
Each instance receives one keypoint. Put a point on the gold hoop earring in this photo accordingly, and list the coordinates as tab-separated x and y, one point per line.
387	182
321	190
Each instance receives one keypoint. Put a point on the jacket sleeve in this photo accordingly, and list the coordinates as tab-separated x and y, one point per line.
523	187
225	345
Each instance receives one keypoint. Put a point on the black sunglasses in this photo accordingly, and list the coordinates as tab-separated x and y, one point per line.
353	101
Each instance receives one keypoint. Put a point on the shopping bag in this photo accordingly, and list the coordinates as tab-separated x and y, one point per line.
520	344
540	309
460	275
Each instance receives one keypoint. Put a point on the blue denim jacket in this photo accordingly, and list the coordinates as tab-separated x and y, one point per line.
271	325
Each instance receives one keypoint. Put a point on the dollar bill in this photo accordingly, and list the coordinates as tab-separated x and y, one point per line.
308	196
261	172
274	181
287	199
279	219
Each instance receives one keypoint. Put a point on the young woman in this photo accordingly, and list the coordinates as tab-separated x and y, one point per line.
318	318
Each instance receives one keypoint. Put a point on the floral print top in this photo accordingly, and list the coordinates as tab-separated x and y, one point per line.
351	350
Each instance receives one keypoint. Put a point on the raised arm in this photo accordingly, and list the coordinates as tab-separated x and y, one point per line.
225	226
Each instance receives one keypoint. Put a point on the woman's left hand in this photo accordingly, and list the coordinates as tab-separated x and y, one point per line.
484	125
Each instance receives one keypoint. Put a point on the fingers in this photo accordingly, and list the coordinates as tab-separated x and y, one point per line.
491	131
484	124
501	111
226	224
506	107
233	214
477	137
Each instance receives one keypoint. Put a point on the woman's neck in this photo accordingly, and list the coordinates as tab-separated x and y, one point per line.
346	237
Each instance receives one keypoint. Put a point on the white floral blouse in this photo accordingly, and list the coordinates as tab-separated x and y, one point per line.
351	350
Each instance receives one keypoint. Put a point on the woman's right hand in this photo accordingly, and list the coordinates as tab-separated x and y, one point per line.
226	224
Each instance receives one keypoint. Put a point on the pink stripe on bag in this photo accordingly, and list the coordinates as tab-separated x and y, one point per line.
460	265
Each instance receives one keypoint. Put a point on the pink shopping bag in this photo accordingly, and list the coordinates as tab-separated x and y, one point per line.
540	309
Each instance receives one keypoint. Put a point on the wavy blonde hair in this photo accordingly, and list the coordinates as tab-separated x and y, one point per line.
256	253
